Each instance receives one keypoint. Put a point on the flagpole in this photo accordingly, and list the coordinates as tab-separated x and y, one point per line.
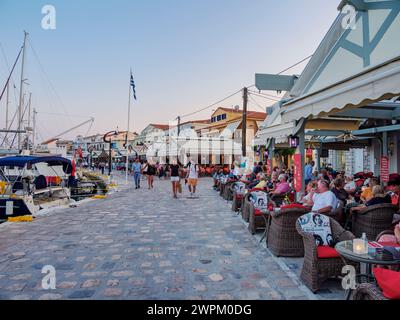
127	134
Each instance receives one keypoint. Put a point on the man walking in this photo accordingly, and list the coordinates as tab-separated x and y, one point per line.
192	177
137	170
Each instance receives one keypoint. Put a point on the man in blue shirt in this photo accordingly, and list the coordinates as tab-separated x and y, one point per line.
308	172
137	170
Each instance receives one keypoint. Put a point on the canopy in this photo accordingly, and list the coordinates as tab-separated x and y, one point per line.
230	129
352	67
21	162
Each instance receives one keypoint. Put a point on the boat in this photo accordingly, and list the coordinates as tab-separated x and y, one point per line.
29	184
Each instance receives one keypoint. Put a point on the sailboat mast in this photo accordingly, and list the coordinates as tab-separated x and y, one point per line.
21	93
7	103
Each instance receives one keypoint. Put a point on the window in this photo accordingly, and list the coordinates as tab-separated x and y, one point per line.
219	118
224	116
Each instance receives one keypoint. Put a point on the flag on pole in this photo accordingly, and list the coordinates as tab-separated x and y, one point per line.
133	86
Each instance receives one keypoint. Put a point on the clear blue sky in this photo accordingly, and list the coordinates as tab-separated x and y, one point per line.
185	54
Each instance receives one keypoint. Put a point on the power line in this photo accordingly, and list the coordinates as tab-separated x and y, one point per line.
211	105
296	64
272	98
48	79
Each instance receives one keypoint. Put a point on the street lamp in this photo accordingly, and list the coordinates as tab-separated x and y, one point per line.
111	133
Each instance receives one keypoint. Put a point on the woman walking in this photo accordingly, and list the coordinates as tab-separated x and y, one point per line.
175	169
150	170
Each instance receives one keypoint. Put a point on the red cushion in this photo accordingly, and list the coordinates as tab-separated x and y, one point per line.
293	206
389	282
239	196
257	212
326	252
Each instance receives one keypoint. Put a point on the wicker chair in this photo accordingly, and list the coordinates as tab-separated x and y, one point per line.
227	193
316	270
237	201
278	198
283	240
246	208
255	221
373	220
337	214
367	291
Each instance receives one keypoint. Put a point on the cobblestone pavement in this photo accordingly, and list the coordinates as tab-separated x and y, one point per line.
142	244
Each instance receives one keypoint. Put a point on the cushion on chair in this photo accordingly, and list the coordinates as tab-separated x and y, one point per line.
389	244
319	226
257	212
389	282
326	252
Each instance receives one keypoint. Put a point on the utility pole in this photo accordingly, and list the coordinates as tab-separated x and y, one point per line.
21	91
244	121
179	125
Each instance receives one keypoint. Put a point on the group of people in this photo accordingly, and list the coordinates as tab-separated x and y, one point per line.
176	172
326	189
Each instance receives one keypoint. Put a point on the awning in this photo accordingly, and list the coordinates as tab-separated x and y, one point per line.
280	132
353	66
377	85
22	161
230	130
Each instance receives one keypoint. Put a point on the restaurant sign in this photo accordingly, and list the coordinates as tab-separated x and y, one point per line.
298	173
385	169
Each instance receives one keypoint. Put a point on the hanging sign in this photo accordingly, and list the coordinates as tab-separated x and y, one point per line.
385	164
298	173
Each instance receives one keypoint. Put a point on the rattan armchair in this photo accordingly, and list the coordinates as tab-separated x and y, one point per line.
282	239
255	221
373	220
227	192
246	207
316	270
237	201
367	291
337	214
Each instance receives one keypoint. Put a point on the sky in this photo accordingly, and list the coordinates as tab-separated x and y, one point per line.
184	54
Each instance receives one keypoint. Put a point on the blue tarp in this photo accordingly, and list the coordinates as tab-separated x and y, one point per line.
22	161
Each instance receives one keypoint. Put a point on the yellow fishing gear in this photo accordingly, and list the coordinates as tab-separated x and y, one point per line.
20	219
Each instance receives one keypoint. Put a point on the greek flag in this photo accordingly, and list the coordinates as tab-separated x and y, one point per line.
133	86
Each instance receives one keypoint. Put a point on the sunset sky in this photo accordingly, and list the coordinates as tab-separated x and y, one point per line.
185	55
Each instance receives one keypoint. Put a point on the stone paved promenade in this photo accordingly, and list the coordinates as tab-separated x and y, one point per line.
141	244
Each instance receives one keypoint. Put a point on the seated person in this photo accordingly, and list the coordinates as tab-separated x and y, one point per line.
350	185
263	182
339	190
324	200
392	238
310	191
282	187
367	191
378	197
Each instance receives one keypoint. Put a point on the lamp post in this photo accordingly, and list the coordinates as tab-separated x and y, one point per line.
111	133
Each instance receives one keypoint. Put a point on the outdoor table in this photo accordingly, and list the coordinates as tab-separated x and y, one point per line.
345	249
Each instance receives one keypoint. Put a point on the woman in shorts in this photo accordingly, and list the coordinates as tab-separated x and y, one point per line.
175	169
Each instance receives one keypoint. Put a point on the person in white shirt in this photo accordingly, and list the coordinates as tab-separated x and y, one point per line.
192	177
325	200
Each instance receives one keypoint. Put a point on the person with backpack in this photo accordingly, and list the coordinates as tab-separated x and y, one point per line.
192	177
175	169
